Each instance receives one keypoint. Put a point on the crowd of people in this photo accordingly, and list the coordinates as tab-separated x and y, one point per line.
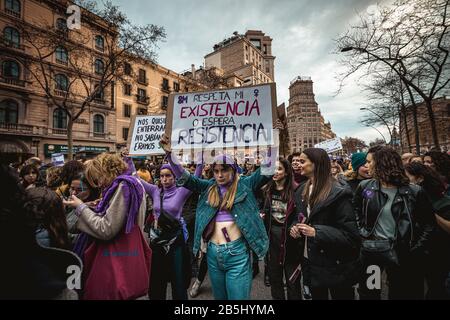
320	224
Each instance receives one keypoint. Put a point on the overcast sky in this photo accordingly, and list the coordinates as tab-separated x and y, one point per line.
302	33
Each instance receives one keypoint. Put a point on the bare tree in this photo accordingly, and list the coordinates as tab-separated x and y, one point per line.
76	82
411	39
352	145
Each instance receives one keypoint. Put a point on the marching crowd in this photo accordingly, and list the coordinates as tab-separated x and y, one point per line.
320	224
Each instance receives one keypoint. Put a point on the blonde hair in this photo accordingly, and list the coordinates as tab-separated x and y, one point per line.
101	171
228	199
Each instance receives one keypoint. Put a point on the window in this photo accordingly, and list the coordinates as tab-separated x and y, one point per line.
176	87
99	43
99	124
142	76
165	102
61	55
125	133
9	111
12	37
141	111
265	49
13	7
99	66
62	83
127	68
61	24
59	119
142	95
165	84
10	69
127	110
98	93
127	89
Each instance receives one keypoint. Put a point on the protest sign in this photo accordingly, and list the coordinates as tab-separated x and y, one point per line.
58	159
237	117
145	133
330	145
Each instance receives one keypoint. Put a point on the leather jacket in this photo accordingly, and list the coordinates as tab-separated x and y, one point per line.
411	210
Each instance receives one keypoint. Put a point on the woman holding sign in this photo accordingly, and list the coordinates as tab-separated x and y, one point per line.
228	220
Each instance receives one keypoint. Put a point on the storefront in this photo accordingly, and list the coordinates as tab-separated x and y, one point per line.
80	152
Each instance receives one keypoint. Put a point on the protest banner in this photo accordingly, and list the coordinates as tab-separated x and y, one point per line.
227	118
145	133
58	159
330	145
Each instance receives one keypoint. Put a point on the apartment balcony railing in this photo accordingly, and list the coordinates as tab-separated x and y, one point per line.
59	131
16	127
165	88
13	81
143	100
12	13
142	80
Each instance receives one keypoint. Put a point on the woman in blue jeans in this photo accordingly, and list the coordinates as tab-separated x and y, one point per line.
228	220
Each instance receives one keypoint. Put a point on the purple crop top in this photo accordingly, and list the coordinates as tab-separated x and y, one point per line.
224	215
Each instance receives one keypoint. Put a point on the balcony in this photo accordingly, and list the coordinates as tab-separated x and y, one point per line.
99	100
143	81
60	93
13	81
11	44
59	131
62	62
143	100
100	135
16	128
12	13
165	88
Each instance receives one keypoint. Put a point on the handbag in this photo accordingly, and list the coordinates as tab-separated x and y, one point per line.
118	269
380	250
166	232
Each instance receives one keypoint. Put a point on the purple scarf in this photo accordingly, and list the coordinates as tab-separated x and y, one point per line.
133	194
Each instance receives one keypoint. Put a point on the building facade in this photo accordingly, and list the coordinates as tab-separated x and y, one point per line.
441	110
245	59
306	125
148	93
31	121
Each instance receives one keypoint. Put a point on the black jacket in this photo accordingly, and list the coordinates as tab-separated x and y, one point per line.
333	254
411	209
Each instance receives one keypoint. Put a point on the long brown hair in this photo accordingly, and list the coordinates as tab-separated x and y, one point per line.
323	180
228	198
48	212
389	167
288	188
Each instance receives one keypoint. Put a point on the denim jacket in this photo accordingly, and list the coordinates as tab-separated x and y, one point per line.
245	209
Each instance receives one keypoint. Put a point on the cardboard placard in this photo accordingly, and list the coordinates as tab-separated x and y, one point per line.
330	145
58	159
145	133
237	117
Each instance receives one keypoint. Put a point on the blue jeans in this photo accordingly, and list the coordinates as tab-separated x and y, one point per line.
230	270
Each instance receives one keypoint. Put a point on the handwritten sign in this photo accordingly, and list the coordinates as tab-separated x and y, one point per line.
146	133
330	145
238	117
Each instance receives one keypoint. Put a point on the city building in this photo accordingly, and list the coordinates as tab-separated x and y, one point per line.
148	93
31	123
441	111
244	59
306	125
